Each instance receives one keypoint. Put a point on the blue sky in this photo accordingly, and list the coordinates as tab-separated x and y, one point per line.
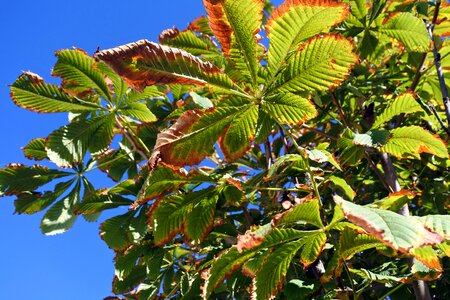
77	264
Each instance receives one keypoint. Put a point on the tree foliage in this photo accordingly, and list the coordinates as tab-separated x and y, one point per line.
262	152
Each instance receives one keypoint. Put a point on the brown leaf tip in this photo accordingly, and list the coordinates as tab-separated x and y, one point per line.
168	34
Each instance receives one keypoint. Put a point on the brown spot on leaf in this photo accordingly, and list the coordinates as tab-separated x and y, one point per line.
248	241
168	34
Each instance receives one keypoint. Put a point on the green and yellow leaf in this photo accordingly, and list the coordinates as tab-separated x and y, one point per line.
409	141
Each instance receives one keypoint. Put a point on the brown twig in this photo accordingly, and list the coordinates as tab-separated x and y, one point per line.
341	112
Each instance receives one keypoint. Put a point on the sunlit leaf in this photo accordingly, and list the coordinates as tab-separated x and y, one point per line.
146	63
404	104
271	275
341	184
399	232
233	27
238	135
306	212
351	243
67	146
99	201
409	30
31	92
313	247
321	63
60	217
35	149
409	141
297	20
76	67
288	108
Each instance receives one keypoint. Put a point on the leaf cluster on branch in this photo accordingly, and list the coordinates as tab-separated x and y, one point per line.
262	152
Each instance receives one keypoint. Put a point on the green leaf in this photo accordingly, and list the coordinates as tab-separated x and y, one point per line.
403	104
295	21
99	201
60	217
409	30
76	67
187	40
374	277
136	276
321	156
193	135
228	262
306	212
126	261
169	215
202	101
319	64
229	24
437	223
294	158
237	137
399	232
165	179
32	202
288	108
146	63
313	247
31	92
114	231
200	220
67	146
137	110
17	178
271	275
352	242
408	141
343	186
35	149
428	257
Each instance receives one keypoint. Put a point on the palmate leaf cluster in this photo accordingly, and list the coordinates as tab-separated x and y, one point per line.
247	149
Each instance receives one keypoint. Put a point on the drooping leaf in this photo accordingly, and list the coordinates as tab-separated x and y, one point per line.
228	262
288	108
60	217
437	223
179	212
409	30
165	179
200	220
319	64
17	178
114	231
297	20
192	136
31	92
307	212
237	137
271	275
32	202
67	146
352	242
35	149
404	104
99	201
409	141
190	42
137	110
231	26
77	68
145	63
341	184
399	232
313	247
321	156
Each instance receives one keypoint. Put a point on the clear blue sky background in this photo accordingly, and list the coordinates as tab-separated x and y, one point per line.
77	264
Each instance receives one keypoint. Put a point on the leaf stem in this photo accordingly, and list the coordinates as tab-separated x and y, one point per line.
133	142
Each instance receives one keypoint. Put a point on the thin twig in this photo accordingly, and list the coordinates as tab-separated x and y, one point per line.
341	112
437	63
333	138
127	135
268	152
